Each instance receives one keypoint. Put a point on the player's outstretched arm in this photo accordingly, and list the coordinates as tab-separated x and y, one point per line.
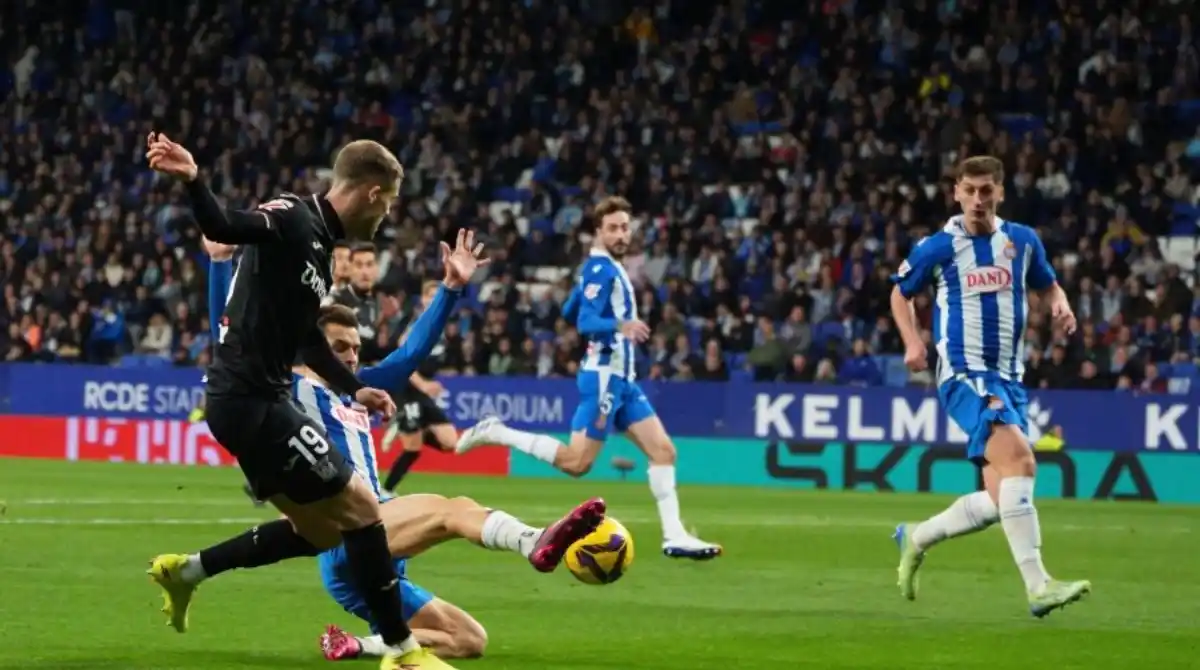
402	363
460	264
229	226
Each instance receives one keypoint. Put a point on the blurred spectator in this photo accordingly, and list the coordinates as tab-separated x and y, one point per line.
782	159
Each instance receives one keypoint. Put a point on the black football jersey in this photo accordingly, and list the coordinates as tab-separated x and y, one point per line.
277	290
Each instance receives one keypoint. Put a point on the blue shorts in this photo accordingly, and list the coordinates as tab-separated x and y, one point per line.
335	574
977	403
608	405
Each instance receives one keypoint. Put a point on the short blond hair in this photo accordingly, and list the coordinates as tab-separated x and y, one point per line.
981	166
364	161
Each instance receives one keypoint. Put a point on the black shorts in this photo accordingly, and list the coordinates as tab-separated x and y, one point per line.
279	448
416	411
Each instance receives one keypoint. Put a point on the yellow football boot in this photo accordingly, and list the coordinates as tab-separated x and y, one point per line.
167	571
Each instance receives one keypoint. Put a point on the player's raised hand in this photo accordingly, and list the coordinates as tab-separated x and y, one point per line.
916	358
635	330
1064	318
217	251
376	401
462	262
169	157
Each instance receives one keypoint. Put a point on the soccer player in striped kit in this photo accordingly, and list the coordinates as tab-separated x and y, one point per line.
610	399
982	268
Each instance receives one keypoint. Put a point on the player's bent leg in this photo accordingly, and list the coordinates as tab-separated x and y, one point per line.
444	436
356	511
650	436
574	459
968	514
281	539
449	631
444	629
417	522
1008	451
318	529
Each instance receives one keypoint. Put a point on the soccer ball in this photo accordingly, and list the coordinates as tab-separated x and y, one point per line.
603	556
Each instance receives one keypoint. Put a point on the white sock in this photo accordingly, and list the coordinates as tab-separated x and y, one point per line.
502	530
193	571
1019	519
540	447
372	645
662	487
970	513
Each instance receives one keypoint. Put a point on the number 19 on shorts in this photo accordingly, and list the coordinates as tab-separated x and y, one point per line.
310	444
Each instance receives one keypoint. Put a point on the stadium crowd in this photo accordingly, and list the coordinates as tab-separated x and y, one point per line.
782	158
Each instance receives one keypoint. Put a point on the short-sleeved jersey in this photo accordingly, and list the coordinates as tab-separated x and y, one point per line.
980	303
276	294
606	298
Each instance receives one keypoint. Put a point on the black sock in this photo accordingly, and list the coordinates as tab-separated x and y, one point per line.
374	573
400	468
269	543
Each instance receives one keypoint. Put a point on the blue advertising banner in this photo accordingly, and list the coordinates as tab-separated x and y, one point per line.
1087	420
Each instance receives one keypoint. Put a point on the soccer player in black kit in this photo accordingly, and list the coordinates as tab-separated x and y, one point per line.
269	321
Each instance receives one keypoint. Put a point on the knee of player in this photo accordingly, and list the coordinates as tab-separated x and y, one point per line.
663	453
471	641
576	466
463	503
1009	451
458	506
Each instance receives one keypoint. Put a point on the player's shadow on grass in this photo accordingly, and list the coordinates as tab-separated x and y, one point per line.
174	660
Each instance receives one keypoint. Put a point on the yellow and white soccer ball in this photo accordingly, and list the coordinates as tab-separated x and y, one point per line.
603	556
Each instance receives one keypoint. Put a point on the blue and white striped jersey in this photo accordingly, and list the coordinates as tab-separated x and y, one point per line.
981	304
347	423
605	299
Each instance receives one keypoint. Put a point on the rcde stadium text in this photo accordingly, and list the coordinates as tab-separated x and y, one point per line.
471	406
140	398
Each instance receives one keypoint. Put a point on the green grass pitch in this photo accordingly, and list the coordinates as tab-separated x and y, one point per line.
807	582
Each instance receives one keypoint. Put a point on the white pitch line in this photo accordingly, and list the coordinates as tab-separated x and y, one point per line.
540	512
132	522
143	502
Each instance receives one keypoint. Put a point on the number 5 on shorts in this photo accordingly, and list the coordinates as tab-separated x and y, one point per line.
310	444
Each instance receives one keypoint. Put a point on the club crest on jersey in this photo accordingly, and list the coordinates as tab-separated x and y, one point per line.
987	279
1010	250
